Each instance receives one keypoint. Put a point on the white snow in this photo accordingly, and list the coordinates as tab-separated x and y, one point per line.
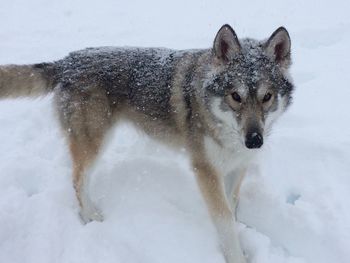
294	204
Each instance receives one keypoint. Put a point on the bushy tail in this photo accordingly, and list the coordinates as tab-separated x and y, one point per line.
26	80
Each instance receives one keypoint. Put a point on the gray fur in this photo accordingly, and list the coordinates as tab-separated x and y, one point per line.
171	95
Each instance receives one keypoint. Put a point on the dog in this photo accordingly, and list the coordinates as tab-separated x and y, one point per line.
217	103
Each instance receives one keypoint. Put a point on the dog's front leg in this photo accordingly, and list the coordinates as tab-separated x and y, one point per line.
233	182
212	187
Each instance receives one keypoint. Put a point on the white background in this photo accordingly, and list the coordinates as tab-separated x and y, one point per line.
295	202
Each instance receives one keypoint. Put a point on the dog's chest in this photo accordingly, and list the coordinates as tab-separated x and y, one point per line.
227	159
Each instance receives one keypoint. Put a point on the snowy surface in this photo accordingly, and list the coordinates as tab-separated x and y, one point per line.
295	202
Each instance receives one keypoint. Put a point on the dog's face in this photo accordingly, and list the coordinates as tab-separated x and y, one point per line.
248	87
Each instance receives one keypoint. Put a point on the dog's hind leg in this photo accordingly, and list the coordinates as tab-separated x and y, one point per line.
83	154
86	118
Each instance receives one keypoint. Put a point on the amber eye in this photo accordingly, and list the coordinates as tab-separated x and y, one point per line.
267	97
236	97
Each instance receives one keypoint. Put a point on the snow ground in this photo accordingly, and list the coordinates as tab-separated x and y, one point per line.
295	203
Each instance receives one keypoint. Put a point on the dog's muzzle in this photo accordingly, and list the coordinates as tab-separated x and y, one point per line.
254	140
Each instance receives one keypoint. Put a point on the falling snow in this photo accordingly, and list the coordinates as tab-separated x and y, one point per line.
294	203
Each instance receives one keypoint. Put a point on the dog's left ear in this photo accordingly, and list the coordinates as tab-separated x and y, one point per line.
278	47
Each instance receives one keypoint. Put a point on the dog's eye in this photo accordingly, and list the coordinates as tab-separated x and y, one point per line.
236	97
267	97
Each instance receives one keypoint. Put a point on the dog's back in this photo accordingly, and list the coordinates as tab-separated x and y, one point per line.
140	77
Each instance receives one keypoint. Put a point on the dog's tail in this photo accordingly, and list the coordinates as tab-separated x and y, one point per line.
26	80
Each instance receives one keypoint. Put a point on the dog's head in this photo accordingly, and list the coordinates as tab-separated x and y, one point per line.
248	85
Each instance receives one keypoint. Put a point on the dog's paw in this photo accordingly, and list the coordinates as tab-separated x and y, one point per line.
88	215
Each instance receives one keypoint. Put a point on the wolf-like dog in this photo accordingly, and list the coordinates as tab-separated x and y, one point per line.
217	103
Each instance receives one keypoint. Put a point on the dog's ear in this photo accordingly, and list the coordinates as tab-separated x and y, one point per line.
226	44
278	47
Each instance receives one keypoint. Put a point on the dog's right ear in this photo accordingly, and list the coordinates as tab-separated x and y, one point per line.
226	44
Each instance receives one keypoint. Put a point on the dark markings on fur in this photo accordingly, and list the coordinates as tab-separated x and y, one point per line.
151	84
286	89
139	76
189	93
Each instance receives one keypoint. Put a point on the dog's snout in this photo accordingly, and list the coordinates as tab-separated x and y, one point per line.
254	140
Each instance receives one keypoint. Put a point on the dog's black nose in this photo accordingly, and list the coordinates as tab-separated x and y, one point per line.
254	140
